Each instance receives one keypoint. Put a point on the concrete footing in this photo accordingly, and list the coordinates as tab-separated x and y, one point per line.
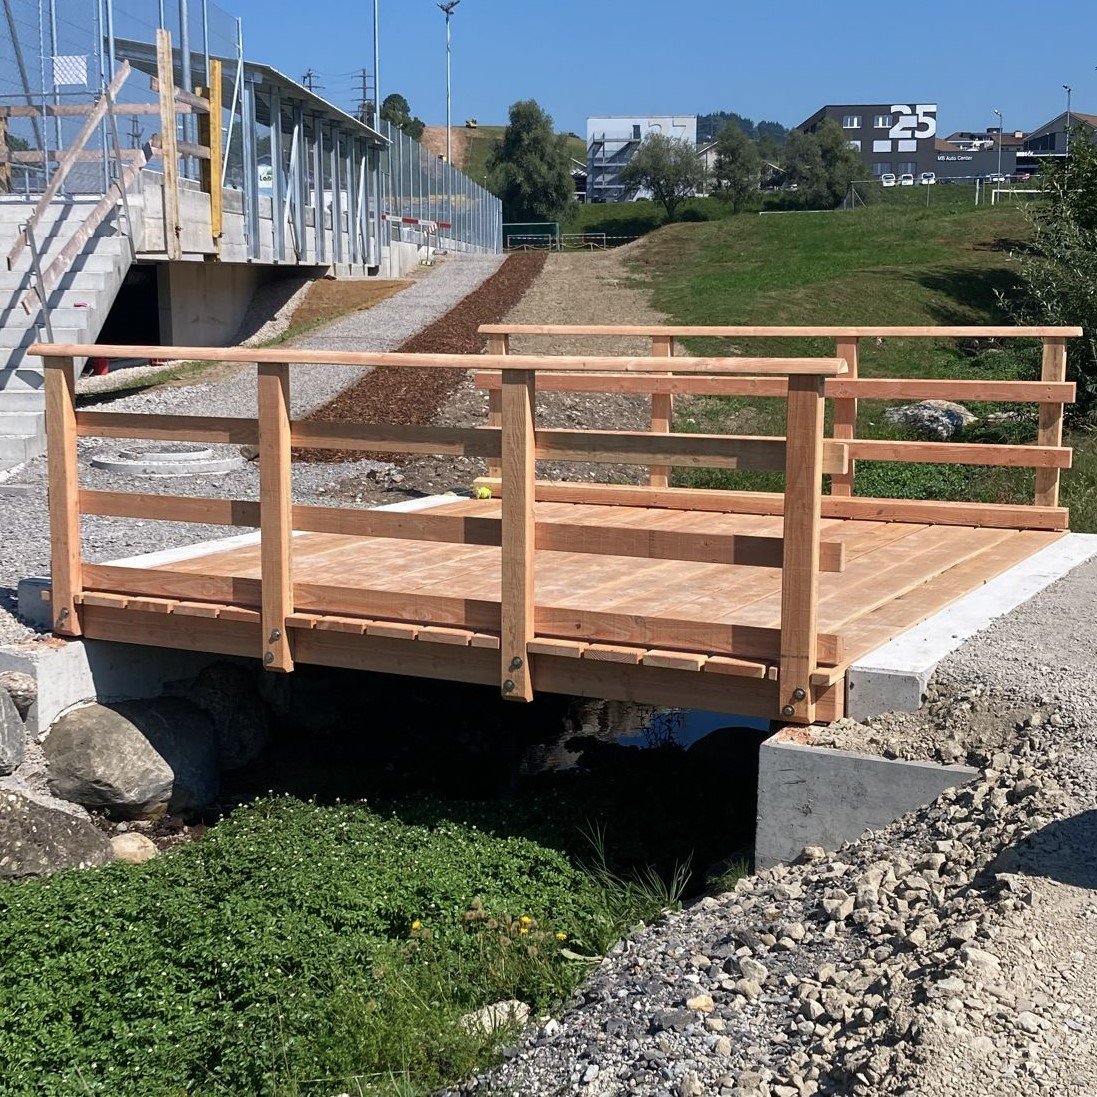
817	796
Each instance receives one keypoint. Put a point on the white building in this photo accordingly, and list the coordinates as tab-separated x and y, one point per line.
612	140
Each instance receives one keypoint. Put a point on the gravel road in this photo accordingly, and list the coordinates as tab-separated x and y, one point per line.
23	514
953	953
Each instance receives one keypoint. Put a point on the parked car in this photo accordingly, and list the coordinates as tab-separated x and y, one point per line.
906	179
928	178
887	179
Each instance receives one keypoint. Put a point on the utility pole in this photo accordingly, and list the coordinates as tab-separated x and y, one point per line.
309	80
366	105
1067	89
135	133
448	7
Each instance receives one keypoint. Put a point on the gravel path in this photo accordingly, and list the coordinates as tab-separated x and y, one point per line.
953	953
23	514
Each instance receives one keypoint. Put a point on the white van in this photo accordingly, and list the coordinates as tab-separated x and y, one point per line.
928	178
887	179
906	180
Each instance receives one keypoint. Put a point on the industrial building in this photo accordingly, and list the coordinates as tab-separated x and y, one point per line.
892	138
612	141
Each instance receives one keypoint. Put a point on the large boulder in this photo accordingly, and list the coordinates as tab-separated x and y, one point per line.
184	737
13	735
37	837
939	420
228	693
98	758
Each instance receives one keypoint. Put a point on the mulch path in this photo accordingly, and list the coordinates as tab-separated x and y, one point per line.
413	397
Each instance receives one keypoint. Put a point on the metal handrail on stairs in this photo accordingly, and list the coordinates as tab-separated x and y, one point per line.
39	283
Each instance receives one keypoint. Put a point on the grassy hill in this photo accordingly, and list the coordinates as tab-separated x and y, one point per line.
881	265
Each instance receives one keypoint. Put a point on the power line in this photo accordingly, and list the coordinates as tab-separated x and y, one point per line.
366	97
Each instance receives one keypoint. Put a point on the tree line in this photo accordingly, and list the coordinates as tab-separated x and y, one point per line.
530	167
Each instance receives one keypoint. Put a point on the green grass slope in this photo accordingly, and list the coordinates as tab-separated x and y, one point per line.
884	264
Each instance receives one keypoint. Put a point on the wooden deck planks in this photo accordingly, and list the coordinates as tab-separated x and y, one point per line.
651	615
870	630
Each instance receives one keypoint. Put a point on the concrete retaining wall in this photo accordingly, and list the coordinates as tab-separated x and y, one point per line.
817	796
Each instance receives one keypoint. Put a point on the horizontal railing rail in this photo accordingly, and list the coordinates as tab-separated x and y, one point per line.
516	624
1048	456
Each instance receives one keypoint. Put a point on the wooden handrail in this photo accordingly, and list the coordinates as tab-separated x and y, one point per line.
808	331
516	623
1048	457
748	550
747	367
864	388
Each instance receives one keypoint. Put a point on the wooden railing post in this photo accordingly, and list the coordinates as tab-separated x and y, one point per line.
800	574
845	418
662	410
66	581
209	134
275	515
169	147
519	392
1050	428
497	344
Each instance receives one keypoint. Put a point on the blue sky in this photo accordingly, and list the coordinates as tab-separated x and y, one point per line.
774	60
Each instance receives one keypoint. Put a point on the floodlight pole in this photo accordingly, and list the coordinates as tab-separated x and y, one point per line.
999	113
448	9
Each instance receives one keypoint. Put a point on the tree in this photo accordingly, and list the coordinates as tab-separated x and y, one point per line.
822	165
530	169
1058	270
738	168
669	168
396	111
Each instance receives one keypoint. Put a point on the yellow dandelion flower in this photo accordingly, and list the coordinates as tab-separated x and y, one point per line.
523	929
525	920
416	926
561	936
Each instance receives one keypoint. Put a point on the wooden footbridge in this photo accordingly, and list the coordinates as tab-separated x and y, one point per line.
741	602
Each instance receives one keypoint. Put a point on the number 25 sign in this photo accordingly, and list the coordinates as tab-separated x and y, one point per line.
911	126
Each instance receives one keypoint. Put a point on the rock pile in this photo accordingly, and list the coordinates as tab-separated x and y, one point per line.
839	974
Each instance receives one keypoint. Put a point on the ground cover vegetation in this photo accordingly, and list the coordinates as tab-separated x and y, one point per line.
296	949
946	263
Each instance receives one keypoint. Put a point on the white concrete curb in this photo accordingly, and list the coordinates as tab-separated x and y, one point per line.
893	678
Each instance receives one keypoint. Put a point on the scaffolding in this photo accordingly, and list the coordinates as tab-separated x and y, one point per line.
283	144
